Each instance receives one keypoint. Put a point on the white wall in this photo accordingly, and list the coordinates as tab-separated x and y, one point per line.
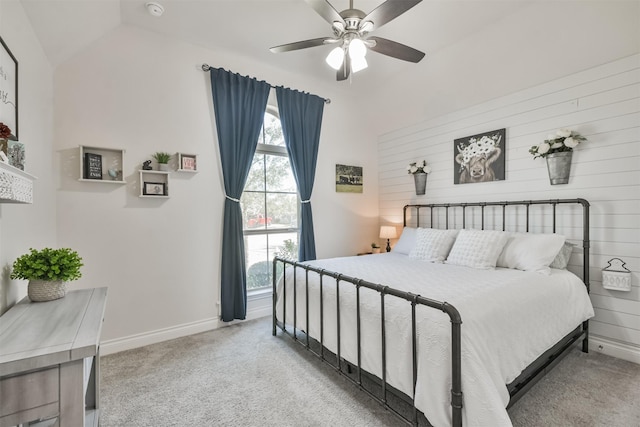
25	226
536	44
601	103
135	90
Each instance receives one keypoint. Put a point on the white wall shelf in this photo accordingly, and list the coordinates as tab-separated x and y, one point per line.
98	163
154	184
16	186
187	163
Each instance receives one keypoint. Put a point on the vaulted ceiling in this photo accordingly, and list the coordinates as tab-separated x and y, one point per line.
250	27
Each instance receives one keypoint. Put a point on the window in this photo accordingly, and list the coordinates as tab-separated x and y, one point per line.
269	206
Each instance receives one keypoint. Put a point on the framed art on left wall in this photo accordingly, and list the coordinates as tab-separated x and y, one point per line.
9	90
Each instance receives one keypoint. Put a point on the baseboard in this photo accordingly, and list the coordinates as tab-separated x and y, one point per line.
255	310
615	349
147	338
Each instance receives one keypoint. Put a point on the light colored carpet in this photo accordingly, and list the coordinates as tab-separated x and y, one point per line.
243	376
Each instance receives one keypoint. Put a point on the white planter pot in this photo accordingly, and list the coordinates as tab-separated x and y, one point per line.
44	290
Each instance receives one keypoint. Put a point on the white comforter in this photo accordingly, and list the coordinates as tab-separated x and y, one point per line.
510	317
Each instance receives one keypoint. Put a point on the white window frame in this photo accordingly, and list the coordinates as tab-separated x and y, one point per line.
273	150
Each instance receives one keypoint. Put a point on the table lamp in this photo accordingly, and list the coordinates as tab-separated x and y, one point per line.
388	232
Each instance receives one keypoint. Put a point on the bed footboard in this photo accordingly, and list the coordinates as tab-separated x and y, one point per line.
384	292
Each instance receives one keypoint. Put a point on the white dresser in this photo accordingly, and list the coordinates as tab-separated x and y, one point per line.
50	360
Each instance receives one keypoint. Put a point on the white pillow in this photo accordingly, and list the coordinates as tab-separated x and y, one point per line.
433	245
562	259
477	248
530	252
406	242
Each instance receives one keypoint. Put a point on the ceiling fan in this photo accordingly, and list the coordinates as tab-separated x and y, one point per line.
350	29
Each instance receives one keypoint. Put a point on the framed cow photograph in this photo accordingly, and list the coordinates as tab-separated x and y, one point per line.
348	179
479	158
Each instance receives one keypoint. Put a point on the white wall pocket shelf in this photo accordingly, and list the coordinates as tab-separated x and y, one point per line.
187	163
16	186
104	165
154	184
616	276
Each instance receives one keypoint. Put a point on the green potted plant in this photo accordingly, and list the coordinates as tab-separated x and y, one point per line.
375	248
163	160
48	271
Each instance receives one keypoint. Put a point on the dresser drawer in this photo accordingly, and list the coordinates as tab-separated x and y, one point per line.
27	391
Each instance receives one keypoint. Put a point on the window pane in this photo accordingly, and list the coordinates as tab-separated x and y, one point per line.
260	250
279	174
255	179
257	261
284	245
272	131
283	210
253	210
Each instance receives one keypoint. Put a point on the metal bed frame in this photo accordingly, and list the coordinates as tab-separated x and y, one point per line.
385	394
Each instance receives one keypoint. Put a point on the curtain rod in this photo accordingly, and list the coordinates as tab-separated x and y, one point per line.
207	67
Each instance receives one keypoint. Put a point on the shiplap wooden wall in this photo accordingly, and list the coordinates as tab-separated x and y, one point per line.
601	103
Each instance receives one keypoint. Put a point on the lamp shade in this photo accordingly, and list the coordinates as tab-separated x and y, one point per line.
388	232
335	58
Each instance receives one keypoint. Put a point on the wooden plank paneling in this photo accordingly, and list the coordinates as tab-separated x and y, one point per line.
602	103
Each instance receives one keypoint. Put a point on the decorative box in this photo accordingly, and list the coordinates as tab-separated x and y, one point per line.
616	276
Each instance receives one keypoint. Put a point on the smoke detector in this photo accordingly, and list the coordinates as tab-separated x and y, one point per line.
154	9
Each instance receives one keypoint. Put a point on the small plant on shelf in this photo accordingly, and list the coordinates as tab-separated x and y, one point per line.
162	157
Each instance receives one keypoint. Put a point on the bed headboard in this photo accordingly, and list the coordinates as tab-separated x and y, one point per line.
570	216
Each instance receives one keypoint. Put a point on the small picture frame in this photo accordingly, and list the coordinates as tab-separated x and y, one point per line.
16	154
188	162
92	166
154	189
348	179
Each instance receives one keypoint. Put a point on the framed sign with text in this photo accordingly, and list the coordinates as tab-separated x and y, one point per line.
9	90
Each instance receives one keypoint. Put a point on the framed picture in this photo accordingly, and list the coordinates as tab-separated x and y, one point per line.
16	154
9	90
92	166
188	162
348	179
479	158
154	189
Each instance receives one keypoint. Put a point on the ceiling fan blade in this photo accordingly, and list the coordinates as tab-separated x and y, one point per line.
324	9
389	10
300	45
344	70
396	50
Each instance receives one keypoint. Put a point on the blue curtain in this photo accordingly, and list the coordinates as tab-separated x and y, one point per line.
301	119
239	103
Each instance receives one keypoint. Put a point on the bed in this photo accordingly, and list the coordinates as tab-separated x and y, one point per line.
460	319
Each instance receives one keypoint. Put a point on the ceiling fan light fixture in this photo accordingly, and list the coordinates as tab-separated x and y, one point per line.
357	49
366	27
335	58
358	64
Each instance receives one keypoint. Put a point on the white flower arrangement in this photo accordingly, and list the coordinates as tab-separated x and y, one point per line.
414	168
481	147
564	140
